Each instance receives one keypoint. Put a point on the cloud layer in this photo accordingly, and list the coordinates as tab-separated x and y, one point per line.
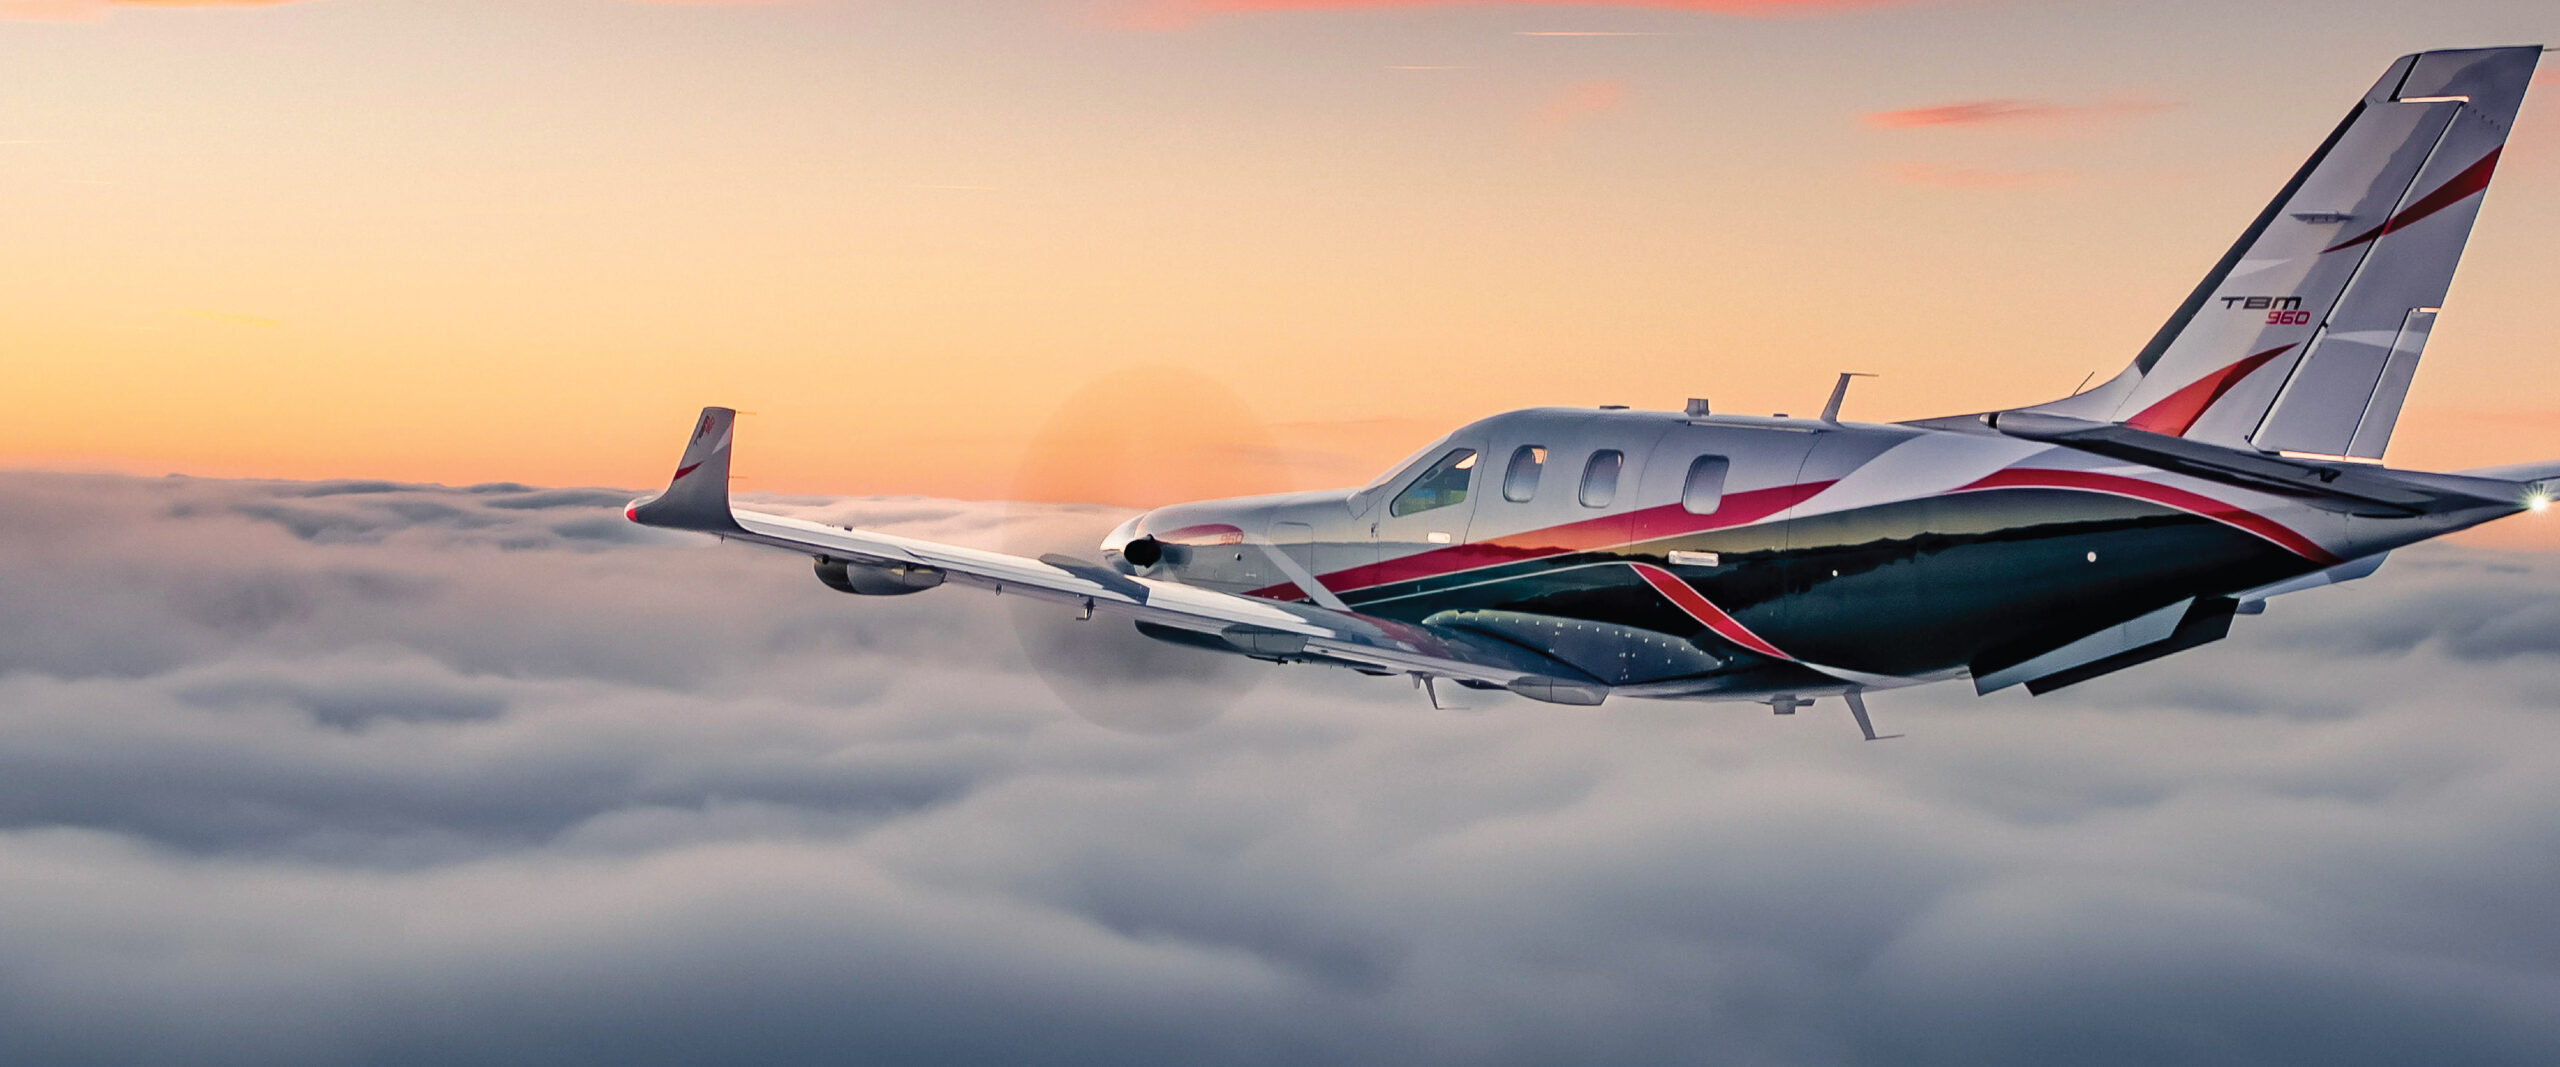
363	772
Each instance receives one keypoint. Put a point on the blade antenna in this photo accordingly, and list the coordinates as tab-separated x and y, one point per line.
1858	708
1840	392
1430	686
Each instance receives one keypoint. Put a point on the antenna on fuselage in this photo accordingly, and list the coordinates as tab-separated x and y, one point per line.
1858	709
1840	392
1430	687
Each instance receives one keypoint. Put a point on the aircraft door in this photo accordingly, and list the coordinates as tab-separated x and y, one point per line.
1430	510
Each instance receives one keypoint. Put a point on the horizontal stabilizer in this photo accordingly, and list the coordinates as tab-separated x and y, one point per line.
2353	488
2542	477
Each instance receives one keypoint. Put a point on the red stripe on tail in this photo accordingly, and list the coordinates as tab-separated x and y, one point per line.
2473	179
2177	413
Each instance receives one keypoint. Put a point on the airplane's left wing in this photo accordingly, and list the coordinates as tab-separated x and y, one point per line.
697	499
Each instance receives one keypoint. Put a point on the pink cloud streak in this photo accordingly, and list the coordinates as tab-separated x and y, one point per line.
1170	14
93	10
1947	176
2011	111
1576	104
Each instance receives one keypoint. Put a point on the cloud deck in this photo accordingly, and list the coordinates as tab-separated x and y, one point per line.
369	772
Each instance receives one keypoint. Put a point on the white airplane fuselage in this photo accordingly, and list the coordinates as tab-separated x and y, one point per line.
1802	555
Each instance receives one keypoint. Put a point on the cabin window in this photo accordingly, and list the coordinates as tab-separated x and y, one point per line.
1703	493
1444	484
1600	477
1520	480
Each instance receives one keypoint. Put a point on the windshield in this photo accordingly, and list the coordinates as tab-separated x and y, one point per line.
1361	497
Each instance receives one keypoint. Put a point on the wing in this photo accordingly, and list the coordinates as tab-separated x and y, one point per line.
697	499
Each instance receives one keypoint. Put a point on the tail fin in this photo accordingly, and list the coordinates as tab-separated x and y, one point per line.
2305	337
697	498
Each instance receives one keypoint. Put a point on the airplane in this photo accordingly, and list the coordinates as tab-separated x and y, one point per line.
1570	554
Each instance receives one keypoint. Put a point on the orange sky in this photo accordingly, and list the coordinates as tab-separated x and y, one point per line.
473	240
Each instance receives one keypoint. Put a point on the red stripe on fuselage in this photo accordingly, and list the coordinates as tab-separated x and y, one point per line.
1589	535
1746	508
2193	503
1698	607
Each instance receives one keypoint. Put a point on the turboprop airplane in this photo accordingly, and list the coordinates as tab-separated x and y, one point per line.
1567	554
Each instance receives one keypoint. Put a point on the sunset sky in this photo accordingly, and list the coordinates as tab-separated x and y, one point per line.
384	738
479	240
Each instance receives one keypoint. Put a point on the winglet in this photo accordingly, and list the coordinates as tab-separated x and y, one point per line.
697	498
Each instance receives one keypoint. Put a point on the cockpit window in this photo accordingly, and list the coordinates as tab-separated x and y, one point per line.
1444	484
1367	495
1600	477
1520	480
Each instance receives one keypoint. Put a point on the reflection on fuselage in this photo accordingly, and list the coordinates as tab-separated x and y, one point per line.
1770	543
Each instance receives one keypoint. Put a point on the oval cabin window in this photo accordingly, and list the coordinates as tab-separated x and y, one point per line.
1703	492
1520	480
1600	478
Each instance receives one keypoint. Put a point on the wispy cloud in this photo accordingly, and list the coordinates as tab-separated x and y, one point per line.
1953	176
1171	14
2012	111
93	10
1575	104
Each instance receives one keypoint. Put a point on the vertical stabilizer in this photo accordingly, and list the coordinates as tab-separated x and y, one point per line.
2305	337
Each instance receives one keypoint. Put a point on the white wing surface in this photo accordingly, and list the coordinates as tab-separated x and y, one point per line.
697	499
